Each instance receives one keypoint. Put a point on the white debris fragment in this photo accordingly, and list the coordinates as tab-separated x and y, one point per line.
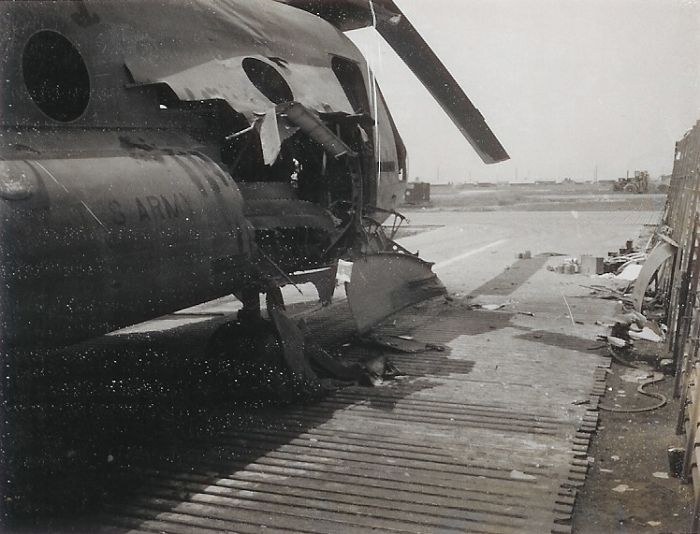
633	316
646	334
622	488
519	475
615	458
344	273
654	523
660	474
635	376
617	342
630	272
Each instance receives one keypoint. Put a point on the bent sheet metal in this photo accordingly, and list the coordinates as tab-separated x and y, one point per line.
662	252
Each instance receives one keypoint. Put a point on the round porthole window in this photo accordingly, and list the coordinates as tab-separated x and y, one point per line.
56	76
267	80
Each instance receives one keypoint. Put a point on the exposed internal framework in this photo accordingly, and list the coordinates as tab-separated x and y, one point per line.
308	173
305	176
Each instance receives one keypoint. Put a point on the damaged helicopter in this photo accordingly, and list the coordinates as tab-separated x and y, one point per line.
159	155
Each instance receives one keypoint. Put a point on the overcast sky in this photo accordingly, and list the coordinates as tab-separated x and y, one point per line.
566	85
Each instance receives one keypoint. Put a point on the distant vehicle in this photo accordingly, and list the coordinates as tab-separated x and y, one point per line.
417	193
639	183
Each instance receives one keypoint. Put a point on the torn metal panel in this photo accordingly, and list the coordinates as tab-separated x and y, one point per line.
312	126
387	282
292	341
662	252
270	137
160	47
323	279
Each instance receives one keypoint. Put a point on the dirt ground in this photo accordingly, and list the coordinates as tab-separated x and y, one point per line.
559	197
629	449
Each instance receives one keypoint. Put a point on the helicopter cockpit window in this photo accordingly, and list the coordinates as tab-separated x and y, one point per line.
267	80
56	76
352	82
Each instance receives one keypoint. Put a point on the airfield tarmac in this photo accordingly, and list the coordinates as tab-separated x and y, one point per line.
514	399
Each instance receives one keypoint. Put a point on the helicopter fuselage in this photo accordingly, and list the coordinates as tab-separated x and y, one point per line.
147	162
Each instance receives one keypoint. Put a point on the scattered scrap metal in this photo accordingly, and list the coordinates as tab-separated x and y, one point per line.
663	306
624	264
630	327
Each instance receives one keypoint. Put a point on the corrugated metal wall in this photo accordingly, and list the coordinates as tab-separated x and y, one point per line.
678	285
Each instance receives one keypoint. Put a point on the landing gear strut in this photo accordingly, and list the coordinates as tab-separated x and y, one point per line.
252	338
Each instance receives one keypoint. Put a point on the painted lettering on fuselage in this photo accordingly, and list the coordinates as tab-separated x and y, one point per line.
153	208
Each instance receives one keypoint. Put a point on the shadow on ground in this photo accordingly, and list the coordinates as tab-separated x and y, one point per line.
87	425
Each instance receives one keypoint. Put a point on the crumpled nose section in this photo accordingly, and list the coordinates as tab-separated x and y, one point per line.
384	283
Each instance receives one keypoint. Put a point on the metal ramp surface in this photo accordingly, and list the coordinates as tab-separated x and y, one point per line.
487	433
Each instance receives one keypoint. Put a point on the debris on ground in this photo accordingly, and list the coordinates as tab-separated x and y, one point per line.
591	265
377	370
631	327
492	307
622	488
624	265
568	266
519	475
615	341
629	272
676	457
401	343
499	306
634	376
646	334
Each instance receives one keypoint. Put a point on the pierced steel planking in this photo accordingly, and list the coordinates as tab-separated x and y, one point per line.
443	450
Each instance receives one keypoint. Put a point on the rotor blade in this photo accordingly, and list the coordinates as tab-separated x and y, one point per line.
400	34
